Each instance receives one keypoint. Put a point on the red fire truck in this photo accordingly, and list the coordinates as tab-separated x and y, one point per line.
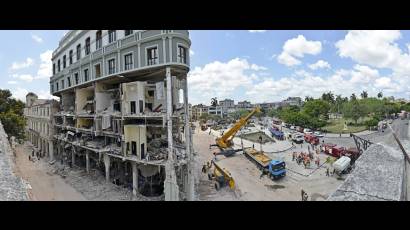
312	139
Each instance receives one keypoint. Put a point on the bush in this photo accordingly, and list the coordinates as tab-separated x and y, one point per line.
372	122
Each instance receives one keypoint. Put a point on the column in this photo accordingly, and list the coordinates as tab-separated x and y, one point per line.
191	182
87	161
107	167
51	150
72	157
171	189
134	178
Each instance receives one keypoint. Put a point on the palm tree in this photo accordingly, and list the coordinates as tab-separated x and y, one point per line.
364	94
214	101
353	97
380	95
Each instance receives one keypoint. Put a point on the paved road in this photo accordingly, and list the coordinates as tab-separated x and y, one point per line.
45	186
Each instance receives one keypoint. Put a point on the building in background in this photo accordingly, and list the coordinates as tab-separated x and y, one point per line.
39	129
244	105
295	101
124	108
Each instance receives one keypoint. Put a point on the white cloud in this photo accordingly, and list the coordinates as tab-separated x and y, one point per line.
42	94
296	48
286	59
191	52
320	65
22	65
375	48
344	82
221	79
36	38
45	69
12	82
23	77
20	93
257	31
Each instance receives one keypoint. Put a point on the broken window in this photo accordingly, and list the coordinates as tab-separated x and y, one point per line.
76	78
128	62
152	56
111	66
70	56
97	70
58	65
86	75
64	61
87	46
133	107
181	54
78	52
98	40
128	32
69	81
112	36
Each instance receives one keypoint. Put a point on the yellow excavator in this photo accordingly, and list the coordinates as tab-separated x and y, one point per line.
221	176
225	142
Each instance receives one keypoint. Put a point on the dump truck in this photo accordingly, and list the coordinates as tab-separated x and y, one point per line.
276	133
275	169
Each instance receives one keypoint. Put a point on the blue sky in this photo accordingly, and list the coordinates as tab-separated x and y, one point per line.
261	66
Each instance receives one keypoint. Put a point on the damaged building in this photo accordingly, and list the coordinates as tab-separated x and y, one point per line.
124	108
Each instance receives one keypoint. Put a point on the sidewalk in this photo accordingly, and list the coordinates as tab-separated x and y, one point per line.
362	133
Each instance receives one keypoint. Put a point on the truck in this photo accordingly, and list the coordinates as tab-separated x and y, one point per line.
338	151
274	168
312	139
342	165
221	176
276	133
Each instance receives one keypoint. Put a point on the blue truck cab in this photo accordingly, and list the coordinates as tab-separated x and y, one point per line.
277	169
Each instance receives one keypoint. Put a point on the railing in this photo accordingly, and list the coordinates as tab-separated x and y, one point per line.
110	47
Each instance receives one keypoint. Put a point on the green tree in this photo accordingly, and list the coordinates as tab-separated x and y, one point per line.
329	97
353	97
307	98
316	108
11	115
353	110
380	95
364	94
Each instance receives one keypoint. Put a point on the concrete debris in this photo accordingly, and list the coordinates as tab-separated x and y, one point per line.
12	188
94	187
378	175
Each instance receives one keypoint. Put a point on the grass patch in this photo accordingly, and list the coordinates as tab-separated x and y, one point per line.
337	125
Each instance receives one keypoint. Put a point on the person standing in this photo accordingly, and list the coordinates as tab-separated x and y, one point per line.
327	171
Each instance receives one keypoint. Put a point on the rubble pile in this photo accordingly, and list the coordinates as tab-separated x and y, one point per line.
12	188
94	187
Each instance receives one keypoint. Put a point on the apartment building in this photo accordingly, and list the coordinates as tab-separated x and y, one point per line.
124	108
39	129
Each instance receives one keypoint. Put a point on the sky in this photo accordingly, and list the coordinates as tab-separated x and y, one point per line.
254	65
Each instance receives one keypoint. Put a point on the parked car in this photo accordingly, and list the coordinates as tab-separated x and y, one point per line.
318	134
307	131
292	127
297	138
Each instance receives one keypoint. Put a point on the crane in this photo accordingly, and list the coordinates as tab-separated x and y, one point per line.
225	142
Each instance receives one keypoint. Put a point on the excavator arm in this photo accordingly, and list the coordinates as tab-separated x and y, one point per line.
226	140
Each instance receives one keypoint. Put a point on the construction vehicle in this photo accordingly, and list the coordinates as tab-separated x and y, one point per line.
312	139
225	142
273	168
221	176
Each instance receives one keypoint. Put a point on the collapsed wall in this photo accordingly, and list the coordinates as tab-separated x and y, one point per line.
12	187
379	175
